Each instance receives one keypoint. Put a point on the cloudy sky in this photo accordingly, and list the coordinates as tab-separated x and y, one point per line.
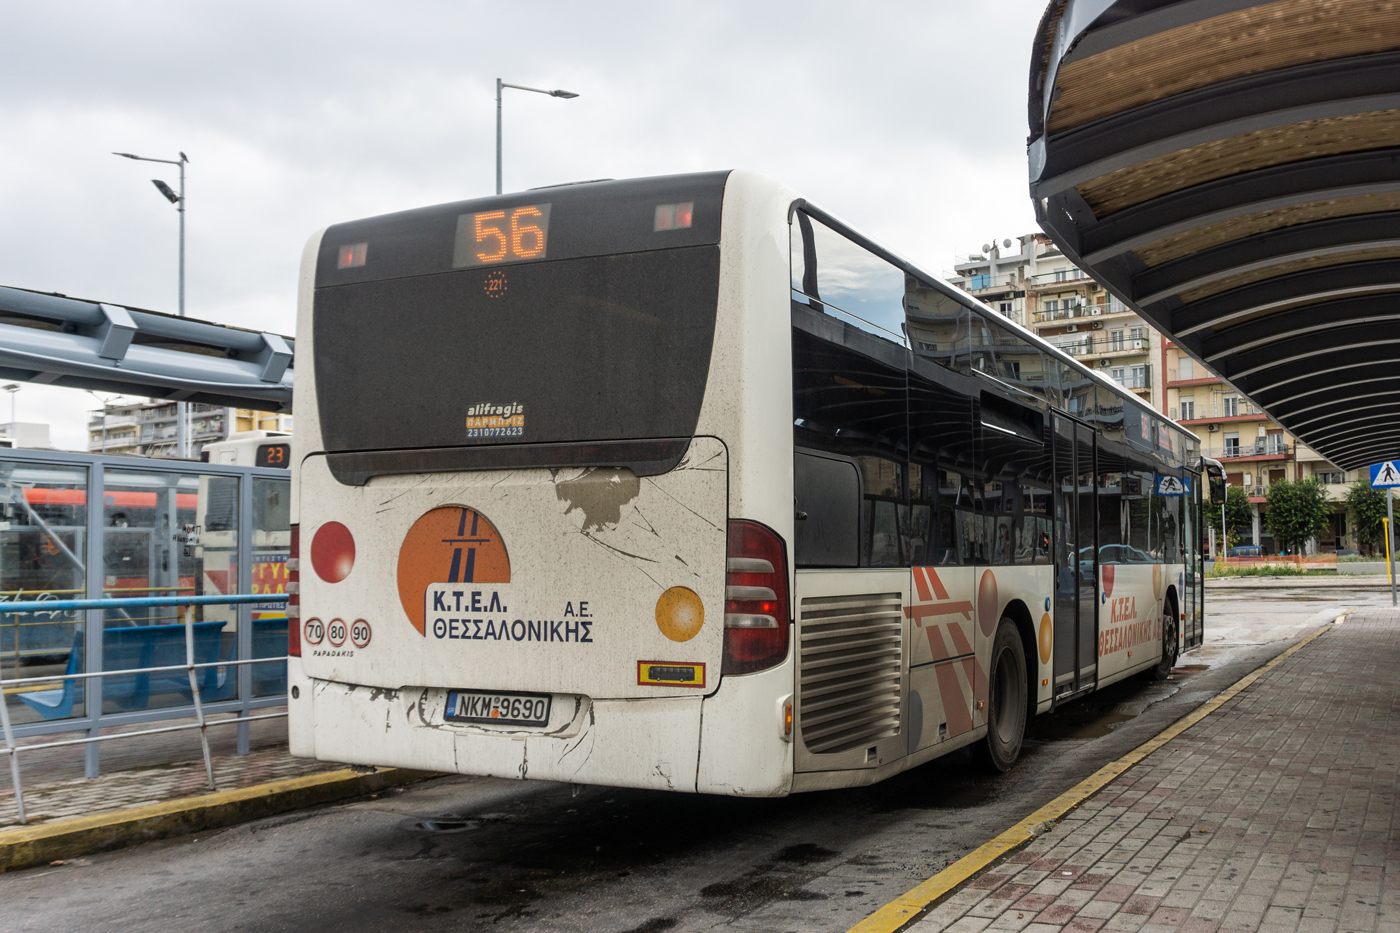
906	119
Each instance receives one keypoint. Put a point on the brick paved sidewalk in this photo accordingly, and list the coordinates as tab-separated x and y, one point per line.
147	769
1275	813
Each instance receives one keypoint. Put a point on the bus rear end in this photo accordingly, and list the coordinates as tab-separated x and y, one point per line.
514	538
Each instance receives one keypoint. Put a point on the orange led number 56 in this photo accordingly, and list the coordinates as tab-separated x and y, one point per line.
513	234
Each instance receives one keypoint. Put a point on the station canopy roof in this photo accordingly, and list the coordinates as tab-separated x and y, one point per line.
1231	170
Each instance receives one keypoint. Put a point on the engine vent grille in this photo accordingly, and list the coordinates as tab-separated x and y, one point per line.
851	650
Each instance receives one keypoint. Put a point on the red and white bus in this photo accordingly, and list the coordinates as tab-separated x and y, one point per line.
682	483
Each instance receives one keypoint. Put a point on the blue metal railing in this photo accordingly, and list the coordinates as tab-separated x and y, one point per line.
132	602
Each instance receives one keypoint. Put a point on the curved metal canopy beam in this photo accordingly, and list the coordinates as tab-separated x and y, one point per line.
1275	357
1297	322
1363	453
1312	91
1265	250
1341	408
1352	427
1256	297
1330	393
1254	192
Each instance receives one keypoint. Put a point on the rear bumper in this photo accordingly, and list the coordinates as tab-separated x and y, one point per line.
652	743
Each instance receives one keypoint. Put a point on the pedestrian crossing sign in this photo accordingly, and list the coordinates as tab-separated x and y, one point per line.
1385	475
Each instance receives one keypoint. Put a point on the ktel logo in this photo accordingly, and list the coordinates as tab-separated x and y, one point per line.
1122	609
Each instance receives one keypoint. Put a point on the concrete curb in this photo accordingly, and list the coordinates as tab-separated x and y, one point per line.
41	843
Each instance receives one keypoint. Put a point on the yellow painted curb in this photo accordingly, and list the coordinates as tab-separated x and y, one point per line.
907	907
41	843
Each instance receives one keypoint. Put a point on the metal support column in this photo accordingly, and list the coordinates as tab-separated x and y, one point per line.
245	611
1390	540
93	580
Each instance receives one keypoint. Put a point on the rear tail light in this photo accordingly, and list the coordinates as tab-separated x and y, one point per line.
757	620
294	594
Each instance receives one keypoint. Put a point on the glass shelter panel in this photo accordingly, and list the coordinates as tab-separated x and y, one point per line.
43	521
167	534
271	544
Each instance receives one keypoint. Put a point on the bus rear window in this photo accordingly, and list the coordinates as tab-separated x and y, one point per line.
599	348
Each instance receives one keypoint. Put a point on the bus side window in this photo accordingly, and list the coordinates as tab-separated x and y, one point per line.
883	482
828	496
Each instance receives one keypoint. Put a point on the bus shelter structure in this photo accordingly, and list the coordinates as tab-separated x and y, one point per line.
139	534
1231	170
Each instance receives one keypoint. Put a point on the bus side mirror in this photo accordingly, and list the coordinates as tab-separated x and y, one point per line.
1217	490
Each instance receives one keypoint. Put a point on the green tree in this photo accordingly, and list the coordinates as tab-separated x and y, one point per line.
1297	511
1239	516
1367	508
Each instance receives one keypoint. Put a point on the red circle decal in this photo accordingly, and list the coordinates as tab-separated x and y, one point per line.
313	631
336	632
332	552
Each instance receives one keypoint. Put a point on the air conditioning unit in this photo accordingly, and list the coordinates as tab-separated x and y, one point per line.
1072	328
1097	325
1105	363
1139	344
1212	428
1097	309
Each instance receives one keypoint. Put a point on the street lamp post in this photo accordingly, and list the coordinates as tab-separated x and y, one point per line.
500	85
182	432
13	388
106	404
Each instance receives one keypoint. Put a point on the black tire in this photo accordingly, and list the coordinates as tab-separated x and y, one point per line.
1170	651
1007	701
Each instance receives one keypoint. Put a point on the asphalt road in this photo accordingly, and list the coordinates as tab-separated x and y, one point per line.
464	853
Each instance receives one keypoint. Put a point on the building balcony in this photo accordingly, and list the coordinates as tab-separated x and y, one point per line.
988	282
1257	451
1052	280
1138	382
1246	413
1103	346
1097	313
1173	382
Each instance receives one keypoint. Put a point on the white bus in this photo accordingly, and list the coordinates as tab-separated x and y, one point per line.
681	483
251	448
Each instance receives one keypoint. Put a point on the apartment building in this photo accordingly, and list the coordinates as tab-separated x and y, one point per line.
150	429
1255	450
1031	282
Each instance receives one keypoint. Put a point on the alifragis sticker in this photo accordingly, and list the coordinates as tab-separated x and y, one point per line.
491	420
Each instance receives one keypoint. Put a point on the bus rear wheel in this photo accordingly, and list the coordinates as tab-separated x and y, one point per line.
1006	700
1163	668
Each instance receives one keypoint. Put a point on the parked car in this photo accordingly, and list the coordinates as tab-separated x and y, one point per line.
1247	550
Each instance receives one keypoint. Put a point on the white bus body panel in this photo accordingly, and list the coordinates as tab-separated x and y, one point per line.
590	552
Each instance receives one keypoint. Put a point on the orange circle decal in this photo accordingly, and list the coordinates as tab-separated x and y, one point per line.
1047	638
453	544
680	613
988	603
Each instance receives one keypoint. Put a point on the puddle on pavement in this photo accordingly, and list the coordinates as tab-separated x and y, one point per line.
1071	723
